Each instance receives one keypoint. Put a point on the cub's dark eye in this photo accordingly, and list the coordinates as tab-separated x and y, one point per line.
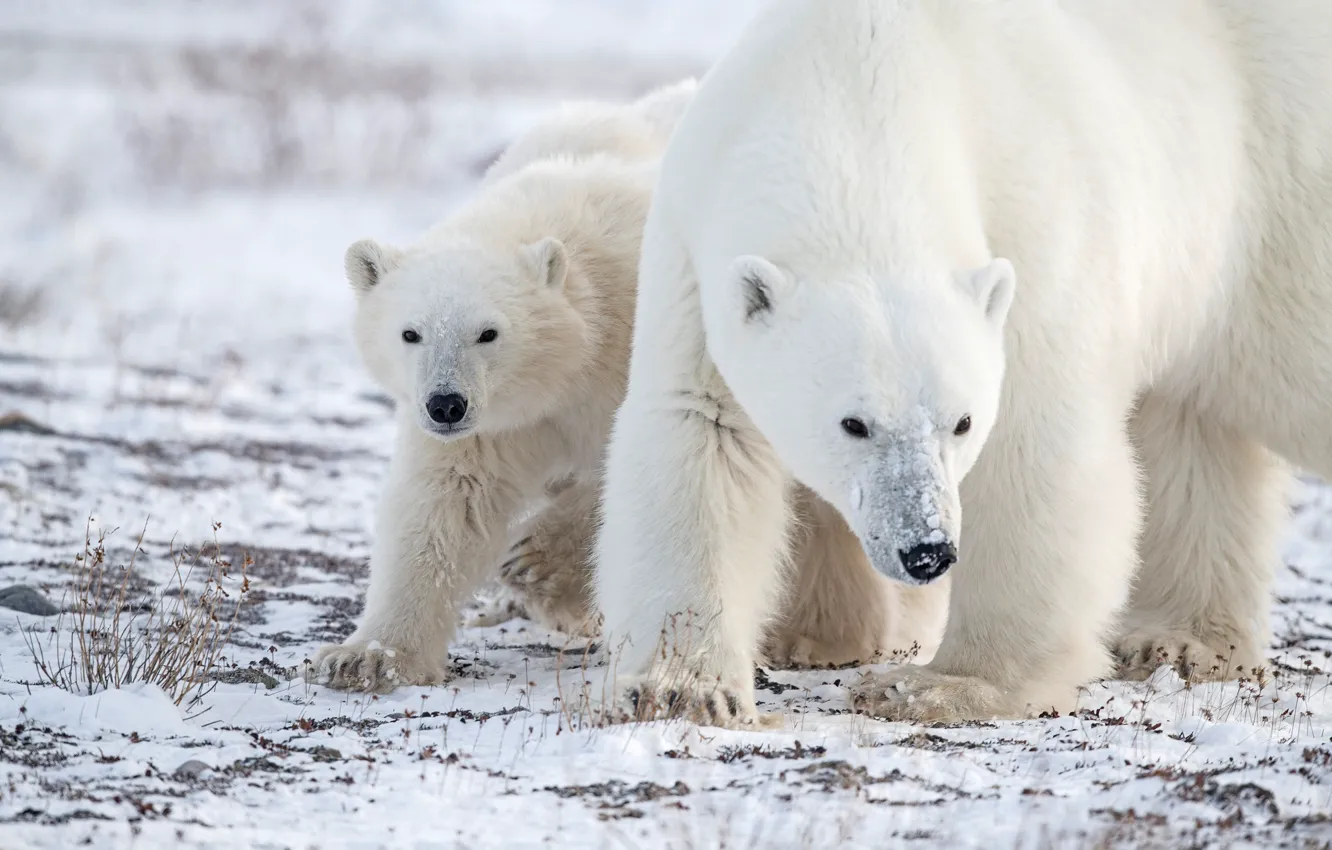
855	427
411	336
488	335
962	427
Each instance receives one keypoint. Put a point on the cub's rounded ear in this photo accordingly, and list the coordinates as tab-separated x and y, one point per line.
757	287
992	286
549	260
367	262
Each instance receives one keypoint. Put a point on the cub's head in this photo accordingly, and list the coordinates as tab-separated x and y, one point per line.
878	395
472	338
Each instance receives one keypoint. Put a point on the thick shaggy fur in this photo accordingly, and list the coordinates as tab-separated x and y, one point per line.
1092	239
547	256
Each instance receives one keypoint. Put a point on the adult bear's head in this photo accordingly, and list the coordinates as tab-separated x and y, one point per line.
877	391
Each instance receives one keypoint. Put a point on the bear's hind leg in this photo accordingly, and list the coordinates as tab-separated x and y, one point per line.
549	567
1209	548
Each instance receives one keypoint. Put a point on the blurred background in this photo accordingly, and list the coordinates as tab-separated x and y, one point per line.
178	182
161	160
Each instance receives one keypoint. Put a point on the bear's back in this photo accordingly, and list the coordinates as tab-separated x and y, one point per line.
635	131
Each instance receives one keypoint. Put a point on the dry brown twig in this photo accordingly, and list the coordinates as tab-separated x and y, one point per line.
171	636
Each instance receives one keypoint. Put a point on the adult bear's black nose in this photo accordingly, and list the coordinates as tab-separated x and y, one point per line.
447	409
928	561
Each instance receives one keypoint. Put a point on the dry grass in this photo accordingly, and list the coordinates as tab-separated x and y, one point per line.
114	635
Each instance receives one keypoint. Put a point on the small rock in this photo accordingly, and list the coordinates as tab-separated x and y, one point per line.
191	769
245	767
28	600
245	676
324	754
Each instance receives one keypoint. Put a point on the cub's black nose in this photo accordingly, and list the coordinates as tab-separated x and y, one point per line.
928	561
447	409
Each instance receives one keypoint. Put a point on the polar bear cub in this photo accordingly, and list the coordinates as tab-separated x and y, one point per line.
502	337
1012	285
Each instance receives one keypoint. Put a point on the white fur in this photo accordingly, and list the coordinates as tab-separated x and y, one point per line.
545	256
1103	231
636	131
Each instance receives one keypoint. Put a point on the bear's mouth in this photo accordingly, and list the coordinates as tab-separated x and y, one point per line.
448	433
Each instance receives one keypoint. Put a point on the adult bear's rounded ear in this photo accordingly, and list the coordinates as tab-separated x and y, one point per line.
549	260
992	286
367	262
757	287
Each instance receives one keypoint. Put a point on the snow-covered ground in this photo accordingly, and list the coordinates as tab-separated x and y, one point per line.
179	183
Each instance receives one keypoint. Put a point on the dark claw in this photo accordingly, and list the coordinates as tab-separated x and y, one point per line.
344	665
379	665
521	543
633	700
508	565
712	709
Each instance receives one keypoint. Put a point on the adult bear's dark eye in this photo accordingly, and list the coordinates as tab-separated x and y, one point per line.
855	427
411	336
962	427
488	335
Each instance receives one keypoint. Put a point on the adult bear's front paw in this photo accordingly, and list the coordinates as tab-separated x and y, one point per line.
1193	658
373	668
697	700
921	695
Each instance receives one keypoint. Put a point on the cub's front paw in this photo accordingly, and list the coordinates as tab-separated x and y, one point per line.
642	698
919	694
372	668
1194	659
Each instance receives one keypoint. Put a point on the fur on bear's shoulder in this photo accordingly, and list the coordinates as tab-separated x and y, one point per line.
637	132
579	198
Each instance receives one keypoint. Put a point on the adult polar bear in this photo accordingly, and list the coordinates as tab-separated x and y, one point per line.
847	210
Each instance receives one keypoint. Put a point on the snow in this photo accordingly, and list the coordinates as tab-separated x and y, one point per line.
180	183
